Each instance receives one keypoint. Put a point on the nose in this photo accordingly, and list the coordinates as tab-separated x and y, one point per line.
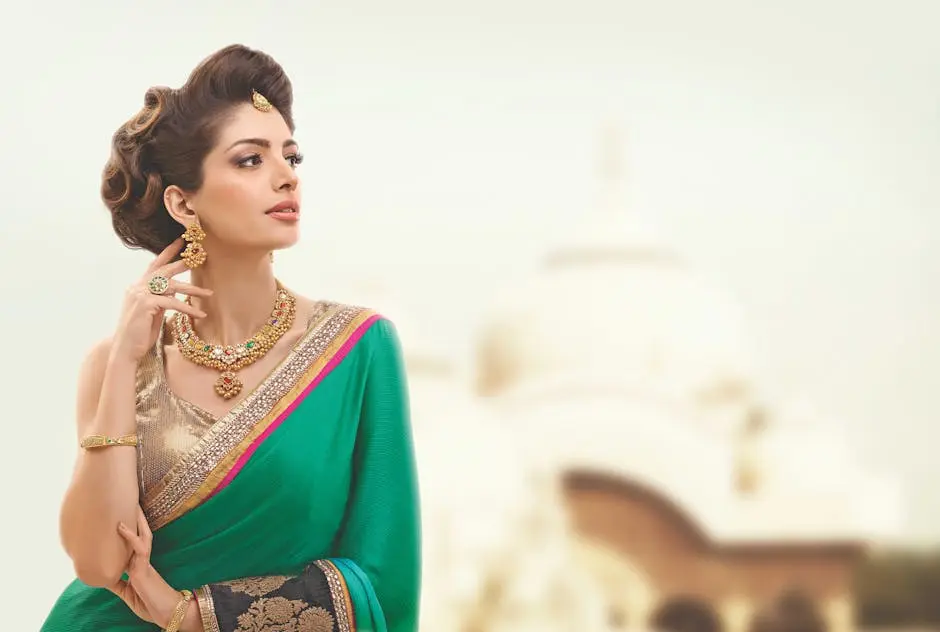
285	178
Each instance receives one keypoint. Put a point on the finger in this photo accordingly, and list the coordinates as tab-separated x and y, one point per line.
170	270
179	287
143	527
166	255
137	543
129	536
168	302
137	564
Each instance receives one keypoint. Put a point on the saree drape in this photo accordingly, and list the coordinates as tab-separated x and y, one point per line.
307	488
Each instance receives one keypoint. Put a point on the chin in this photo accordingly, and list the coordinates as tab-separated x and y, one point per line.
285	239
280	245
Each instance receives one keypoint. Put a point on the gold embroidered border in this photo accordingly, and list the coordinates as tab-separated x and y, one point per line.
198	474
207	609
342	604
225	465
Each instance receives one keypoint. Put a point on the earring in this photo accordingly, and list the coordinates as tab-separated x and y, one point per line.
271	255
194	255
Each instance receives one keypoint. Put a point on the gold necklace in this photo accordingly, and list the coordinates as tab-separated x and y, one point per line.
231	358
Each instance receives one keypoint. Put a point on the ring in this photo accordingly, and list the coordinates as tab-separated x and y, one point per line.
159	285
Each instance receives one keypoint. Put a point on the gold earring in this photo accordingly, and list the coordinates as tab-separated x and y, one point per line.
194	255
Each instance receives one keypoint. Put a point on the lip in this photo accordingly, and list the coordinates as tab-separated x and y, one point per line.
284	208
285	216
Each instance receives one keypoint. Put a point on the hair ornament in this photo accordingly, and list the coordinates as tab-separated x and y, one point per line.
260	103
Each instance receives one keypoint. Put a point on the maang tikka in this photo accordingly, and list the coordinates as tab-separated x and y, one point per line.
260	103
194	255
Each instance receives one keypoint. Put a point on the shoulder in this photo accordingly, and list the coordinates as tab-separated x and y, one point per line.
367	321
361	326
366	326
379	329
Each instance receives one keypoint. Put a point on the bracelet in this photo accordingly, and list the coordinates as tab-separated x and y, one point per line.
103	441
180	613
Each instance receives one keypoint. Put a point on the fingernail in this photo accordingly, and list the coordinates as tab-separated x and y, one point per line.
122	526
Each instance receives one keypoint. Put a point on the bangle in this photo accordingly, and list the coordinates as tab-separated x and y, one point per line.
102	441
180	613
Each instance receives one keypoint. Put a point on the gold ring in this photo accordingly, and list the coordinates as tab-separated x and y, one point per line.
159	285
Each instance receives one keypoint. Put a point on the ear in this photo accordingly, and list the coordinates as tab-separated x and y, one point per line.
177	205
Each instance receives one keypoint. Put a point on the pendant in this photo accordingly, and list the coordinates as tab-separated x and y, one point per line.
228	385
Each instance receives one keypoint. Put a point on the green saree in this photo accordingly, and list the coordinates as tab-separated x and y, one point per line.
297	510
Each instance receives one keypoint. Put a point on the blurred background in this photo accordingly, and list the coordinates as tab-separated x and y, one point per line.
666	275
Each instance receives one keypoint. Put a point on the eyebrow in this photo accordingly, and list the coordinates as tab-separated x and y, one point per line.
261	142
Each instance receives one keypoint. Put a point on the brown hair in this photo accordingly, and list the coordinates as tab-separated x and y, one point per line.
166	142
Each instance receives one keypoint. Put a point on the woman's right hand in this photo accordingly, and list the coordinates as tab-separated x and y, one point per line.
143	310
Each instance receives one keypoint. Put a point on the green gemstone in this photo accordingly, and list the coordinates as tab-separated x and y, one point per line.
207	348
249	344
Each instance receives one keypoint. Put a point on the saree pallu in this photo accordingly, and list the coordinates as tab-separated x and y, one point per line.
299	509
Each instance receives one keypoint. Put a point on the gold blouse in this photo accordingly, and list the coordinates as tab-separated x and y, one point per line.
167	427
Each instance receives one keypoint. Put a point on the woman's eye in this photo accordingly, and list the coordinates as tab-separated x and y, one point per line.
251	161
295	159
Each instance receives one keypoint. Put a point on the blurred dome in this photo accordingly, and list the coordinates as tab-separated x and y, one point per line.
613	301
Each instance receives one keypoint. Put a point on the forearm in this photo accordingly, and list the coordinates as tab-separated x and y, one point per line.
104	489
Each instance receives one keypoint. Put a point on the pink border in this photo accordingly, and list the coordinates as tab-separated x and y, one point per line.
334	361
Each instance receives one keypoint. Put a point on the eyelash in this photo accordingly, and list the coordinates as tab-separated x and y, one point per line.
295	160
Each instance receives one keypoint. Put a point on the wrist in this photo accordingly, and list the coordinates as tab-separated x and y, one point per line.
192	622
175	622
120	359
161	598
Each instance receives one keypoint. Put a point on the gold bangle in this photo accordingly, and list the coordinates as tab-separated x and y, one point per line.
180	613
102	441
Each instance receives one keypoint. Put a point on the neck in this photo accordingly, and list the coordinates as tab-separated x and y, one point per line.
243	297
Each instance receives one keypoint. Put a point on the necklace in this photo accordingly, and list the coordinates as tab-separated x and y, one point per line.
227	359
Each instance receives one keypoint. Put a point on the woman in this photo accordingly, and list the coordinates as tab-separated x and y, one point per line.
273	485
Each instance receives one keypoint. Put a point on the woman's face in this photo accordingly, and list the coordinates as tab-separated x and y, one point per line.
249	172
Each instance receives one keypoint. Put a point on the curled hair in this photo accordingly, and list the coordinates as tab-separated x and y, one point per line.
167	141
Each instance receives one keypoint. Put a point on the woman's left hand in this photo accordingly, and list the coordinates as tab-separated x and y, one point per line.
145	592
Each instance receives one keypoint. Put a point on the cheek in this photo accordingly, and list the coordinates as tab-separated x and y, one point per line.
229	196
